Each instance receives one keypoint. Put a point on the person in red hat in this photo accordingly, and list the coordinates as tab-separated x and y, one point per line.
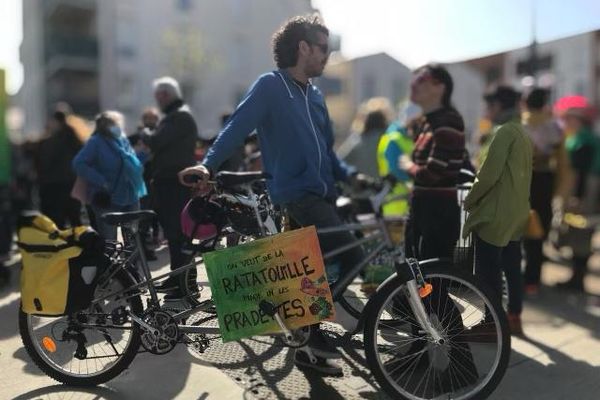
583	148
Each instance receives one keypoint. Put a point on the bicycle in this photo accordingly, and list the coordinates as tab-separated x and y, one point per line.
421	329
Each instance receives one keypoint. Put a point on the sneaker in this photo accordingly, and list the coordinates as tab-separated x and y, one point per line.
322	365
515	325
174	295
169	285
321	347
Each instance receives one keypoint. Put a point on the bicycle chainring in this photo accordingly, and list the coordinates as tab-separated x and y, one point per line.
165	334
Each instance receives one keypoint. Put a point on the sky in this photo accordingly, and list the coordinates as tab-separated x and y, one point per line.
417	32
413	31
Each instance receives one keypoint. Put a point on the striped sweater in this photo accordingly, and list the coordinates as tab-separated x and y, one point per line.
439	151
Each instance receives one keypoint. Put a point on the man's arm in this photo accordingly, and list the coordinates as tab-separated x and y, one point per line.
246	118
492	167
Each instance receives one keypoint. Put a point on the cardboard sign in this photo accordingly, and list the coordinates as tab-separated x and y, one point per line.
285	269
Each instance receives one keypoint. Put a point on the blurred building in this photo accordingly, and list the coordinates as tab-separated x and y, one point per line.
60	59
348	83
104	54
469	85
567	66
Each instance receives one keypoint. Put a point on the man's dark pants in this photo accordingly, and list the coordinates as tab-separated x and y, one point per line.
314	210
171	197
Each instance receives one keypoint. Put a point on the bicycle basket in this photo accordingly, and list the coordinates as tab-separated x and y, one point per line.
60	268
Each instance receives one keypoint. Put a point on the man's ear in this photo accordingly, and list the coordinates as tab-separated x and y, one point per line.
303	47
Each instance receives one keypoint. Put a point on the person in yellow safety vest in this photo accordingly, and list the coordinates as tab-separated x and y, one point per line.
392	145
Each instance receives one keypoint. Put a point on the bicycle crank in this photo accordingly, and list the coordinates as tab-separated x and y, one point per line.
162	337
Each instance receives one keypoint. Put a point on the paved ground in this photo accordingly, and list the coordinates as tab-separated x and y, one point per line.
559	359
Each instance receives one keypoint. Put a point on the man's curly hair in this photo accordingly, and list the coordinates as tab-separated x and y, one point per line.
289	35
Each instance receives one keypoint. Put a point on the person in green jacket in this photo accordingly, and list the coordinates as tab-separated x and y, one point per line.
498	203
583	149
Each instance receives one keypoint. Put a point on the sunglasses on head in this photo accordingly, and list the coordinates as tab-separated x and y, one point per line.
422	77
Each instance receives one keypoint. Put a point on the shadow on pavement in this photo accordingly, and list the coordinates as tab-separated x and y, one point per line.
569	306
9	315
564	378
265	369
74	393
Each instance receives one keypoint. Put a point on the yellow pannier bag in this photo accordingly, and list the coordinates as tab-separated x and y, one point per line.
59	267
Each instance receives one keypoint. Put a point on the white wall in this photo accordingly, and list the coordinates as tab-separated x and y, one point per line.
379	75
572	65
218	48
469	87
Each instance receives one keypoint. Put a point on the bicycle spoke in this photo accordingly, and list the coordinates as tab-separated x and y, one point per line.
438	370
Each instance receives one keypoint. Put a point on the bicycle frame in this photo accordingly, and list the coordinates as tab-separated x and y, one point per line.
377	225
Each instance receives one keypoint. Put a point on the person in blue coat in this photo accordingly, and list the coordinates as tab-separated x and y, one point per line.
112	170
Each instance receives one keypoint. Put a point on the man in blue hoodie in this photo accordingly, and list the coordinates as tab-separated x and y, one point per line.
296	141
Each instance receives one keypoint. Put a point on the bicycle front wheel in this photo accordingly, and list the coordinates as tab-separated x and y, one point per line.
408	363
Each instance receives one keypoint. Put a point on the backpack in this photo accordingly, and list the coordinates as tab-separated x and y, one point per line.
60	268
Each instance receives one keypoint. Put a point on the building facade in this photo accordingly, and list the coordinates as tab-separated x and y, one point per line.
105	54
348	83
567	66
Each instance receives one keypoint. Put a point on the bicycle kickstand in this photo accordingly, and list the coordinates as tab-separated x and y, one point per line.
271	310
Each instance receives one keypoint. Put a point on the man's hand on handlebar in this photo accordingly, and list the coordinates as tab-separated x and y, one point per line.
195	177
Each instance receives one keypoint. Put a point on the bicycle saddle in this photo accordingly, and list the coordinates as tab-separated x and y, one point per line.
120	218
228	179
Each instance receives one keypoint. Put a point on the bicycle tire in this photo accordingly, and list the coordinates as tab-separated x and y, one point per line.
387	293
121	364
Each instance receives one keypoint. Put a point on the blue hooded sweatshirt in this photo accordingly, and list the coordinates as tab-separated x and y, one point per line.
295	135
110	164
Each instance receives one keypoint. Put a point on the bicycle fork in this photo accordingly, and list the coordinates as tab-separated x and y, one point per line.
417	289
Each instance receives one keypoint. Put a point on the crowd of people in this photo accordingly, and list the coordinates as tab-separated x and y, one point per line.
535	163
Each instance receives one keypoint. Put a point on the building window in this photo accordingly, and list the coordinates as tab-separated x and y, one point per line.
543	63
126	51
330	86
492	74
399	88
368	87
184	5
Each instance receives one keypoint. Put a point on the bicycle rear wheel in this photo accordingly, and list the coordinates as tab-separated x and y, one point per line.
409	364
67	351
